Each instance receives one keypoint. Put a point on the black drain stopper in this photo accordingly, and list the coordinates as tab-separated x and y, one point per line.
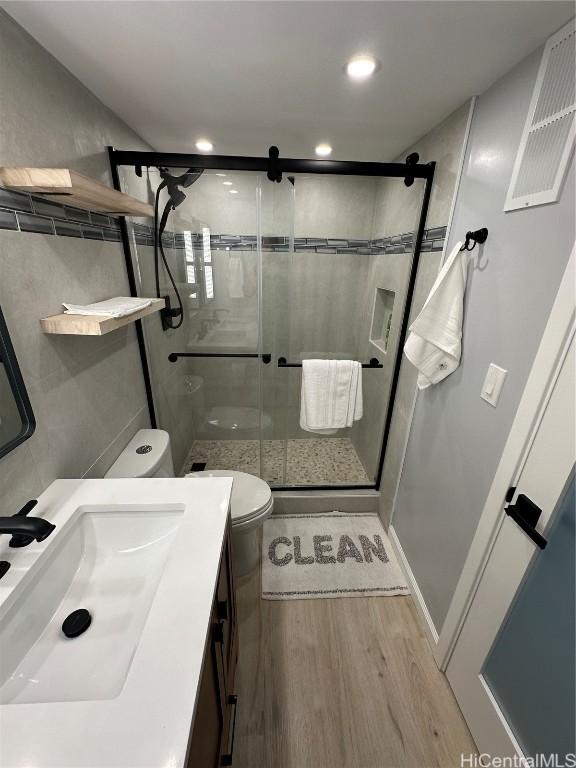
76	623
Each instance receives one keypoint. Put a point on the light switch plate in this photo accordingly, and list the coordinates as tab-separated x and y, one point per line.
493	384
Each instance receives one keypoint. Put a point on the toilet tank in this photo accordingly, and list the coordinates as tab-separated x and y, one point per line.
148	454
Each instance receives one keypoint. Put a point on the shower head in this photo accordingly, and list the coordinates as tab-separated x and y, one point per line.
176	195
171	318
173	184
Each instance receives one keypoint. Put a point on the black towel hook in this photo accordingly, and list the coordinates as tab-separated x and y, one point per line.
474	237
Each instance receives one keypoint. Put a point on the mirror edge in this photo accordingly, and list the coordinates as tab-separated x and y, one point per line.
8	357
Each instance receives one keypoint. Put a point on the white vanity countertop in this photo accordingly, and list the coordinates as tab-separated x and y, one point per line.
147	725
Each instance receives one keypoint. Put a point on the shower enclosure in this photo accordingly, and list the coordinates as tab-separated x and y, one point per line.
318	263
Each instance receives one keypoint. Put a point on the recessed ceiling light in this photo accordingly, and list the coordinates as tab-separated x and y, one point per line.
220	174
323	150
233	191
361	67
227	183
204	145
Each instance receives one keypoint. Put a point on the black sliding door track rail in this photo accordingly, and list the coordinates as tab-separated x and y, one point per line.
141	160
274	166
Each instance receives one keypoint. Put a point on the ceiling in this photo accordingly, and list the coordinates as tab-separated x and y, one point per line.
250	74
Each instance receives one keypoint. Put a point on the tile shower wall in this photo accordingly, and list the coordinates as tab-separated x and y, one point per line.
87	393
394	212
442	144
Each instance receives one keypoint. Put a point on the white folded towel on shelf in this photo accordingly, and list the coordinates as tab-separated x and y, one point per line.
331	396
236	277
118	307
434	345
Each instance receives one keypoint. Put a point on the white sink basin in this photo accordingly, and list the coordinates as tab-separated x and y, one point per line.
108	561
142	556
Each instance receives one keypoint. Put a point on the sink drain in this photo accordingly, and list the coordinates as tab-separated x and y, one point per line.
76	623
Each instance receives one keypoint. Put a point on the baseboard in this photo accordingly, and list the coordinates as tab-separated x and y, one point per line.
431	631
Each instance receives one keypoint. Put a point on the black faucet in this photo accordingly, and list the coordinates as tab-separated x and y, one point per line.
25	529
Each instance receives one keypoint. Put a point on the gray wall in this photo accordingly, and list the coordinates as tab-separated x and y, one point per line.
457	438
87	393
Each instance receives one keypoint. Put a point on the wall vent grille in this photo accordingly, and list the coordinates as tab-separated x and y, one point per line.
548	137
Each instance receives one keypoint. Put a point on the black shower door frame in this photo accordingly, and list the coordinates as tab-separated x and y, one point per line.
275	166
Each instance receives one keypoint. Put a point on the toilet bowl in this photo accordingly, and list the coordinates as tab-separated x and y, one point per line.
148	454
252	502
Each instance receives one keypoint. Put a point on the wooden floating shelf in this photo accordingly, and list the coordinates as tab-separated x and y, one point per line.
95	325
73	189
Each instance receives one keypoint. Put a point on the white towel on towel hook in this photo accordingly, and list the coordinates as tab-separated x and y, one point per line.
434	345
331	396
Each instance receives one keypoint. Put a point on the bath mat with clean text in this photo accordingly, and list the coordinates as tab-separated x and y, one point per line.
330	554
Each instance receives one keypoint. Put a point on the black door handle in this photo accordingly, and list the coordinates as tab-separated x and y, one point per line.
526	514
223	610
227	758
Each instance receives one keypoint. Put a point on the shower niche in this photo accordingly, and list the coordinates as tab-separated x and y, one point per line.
382	318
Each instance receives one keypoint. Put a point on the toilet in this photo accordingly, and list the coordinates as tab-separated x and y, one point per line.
252	502
148	454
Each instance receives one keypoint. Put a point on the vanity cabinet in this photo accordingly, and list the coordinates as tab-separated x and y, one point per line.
212	738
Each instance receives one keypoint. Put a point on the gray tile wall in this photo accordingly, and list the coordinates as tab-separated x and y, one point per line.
389	271
396	212
87	393
445	145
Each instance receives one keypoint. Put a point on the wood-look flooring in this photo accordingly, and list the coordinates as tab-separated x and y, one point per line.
340	683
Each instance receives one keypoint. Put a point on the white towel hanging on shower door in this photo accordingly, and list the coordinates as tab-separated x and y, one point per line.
331	396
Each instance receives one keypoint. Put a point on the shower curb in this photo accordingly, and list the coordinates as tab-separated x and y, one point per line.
299	502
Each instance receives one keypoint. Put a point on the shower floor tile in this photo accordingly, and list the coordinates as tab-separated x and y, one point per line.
314	461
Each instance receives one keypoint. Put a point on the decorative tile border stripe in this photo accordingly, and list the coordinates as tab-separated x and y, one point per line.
26	213
403	243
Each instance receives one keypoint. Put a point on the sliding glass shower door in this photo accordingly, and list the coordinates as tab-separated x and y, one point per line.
277	253
205	374
316	266
337	255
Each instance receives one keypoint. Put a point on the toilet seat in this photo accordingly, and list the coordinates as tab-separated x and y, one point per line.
251	497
